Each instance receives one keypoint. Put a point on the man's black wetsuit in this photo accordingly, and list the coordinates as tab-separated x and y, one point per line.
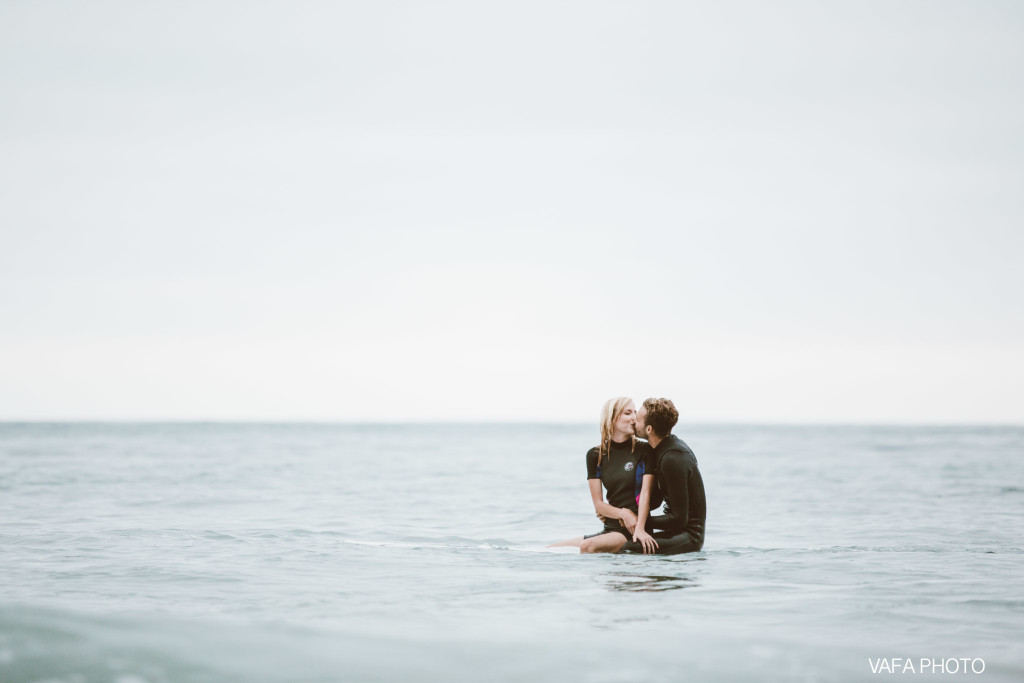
622	471
681	528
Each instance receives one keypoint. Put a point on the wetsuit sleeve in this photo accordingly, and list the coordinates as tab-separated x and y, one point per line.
674	476
650	467
593	471
650	461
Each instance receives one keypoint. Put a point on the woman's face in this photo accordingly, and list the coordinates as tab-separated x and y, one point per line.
627	420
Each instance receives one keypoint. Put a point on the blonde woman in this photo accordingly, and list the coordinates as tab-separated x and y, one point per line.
623	466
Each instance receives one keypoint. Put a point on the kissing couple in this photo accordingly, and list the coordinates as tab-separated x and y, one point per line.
638	476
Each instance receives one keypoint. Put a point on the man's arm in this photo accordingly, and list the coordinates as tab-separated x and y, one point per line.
675	472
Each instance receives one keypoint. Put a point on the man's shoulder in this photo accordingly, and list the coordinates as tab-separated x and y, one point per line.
676	449
684	447
674	443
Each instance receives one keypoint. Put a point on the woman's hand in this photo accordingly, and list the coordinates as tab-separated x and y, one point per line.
646	540
628	519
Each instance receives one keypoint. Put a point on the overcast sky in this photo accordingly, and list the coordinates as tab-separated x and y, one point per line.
796	212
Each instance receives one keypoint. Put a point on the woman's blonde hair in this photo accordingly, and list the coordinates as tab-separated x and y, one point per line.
610	414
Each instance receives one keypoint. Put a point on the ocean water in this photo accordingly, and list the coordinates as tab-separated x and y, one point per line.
304	552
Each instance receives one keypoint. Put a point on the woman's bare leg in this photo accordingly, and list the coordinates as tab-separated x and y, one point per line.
611	542
574	542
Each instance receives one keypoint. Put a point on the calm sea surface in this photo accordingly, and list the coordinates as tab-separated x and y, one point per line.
296	552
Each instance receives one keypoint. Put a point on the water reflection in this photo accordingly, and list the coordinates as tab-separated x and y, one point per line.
646	583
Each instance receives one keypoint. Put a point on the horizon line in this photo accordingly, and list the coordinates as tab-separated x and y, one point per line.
490	422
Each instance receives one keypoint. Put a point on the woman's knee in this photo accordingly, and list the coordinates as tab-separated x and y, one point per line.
606	543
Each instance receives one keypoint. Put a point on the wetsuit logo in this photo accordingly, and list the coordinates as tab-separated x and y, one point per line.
629	467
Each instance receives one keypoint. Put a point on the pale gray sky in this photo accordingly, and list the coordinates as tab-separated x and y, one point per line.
380	210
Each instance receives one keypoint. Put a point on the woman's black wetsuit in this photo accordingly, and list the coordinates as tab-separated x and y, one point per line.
621	472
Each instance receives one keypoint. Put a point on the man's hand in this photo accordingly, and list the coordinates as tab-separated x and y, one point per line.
646	540
628	520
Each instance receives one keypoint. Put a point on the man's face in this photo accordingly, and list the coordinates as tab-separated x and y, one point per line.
641	423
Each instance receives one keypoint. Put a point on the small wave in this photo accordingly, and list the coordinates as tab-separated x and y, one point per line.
747	550
212	535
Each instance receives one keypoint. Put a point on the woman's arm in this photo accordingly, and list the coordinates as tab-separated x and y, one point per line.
640	533
645	500
603	509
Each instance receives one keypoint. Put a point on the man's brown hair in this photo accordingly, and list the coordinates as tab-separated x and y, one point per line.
661	416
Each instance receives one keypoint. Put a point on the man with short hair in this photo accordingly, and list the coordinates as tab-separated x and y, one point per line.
681	528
